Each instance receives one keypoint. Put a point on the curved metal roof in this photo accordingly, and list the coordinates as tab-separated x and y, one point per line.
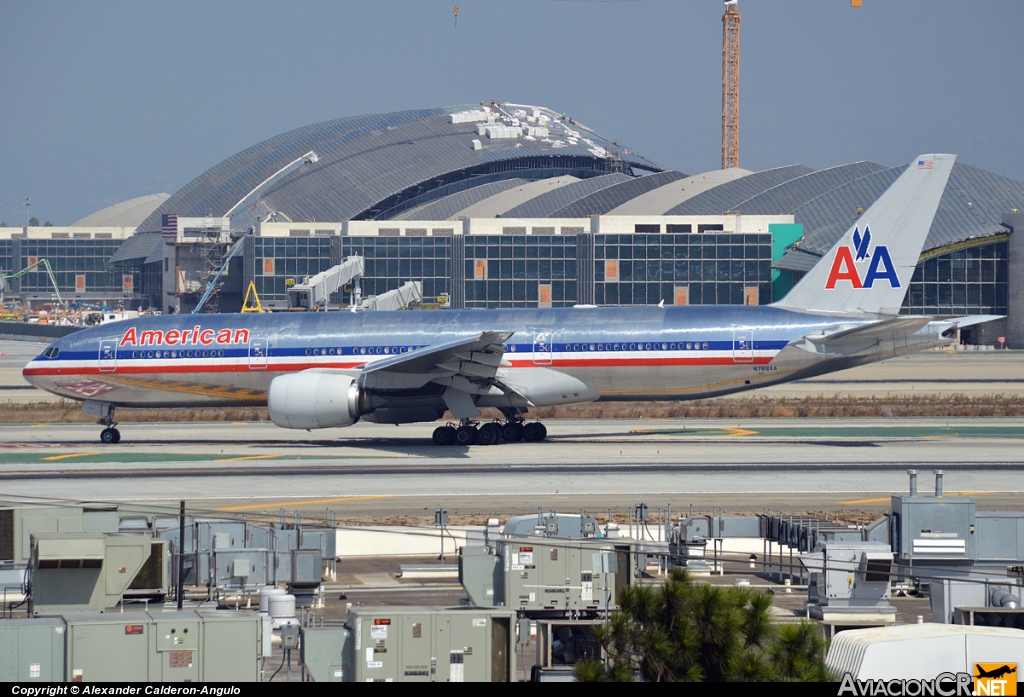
448	206
971	207
127	213
667	196
499	203
547	203
604	200
728	197
787	197
137	248
378	165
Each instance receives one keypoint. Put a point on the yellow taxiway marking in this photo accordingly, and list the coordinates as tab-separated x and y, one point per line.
740	432
64	457
883	500
304	503
250	457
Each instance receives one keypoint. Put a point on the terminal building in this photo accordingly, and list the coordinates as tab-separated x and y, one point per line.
505	205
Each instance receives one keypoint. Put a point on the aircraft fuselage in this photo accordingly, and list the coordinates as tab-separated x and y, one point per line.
624	353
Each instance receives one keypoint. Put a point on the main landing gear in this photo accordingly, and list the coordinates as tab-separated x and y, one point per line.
470	433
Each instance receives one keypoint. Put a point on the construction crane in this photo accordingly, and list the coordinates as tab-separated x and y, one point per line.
730	86
49	272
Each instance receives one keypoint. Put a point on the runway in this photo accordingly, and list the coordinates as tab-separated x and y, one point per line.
378	472
374	472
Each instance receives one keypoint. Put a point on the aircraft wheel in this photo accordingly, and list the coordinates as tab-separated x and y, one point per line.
444	435
108	435
117	435
532	433
489	434
543	430
465	435
512	432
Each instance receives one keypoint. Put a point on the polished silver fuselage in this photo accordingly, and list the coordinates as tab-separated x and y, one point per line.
624	353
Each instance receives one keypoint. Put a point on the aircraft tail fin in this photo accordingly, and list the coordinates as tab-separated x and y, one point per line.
869	268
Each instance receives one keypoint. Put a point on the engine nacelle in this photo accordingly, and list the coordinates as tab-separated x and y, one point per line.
312	399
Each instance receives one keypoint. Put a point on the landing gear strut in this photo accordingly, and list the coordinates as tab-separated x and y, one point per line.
110	434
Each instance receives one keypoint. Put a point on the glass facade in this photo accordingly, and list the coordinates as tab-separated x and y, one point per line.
391	261
79	266
291	258
6	256
520	271
680	268
967	281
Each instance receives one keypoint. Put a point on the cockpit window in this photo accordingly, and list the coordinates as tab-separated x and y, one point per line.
51	352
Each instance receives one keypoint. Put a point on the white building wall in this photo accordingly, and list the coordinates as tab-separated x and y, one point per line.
598	224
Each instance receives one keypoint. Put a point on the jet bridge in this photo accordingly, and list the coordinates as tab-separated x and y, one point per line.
409	293
317	290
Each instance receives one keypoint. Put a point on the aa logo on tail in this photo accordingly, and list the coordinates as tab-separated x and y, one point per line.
879	264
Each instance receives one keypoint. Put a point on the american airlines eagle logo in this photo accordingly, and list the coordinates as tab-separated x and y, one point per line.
845	263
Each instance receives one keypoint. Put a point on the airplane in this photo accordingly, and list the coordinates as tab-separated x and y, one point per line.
995	673
331	369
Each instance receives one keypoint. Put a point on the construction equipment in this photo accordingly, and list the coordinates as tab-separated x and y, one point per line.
315	292
49	272
730	86
251	291
212	286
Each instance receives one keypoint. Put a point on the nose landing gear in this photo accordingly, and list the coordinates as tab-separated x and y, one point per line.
109	435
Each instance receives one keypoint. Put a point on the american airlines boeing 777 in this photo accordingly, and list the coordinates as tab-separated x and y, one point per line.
329	369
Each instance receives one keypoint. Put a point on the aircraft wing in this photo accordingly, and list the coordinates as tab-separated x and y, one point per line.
464	367
476	355
844	340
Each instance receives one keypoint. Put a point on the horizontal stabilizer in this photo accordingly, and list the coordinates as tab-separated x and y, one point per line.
971	320
847	341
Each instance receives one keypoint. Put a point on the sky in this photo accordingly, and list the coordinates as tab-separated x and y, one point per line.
101	102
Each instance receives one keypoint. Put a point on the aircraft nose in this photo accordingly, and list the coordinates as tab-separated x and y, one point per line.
28	372
31	370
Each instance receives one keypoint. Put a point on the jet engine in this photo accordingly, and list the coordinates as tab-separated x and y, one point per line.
314	399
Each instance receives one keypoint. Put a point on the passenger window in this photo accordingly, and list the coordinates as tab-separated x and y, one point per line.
705	345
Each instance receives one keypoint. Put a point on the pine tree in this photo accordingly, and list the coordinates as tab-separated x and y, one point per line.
684	631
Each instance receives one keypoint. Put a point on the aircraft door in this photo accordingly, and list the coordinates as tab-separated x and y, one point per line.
542	348
108	355
743	347
258	349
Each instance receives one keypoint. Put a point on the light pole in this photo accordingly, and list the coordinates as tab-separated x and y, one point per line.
28	210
